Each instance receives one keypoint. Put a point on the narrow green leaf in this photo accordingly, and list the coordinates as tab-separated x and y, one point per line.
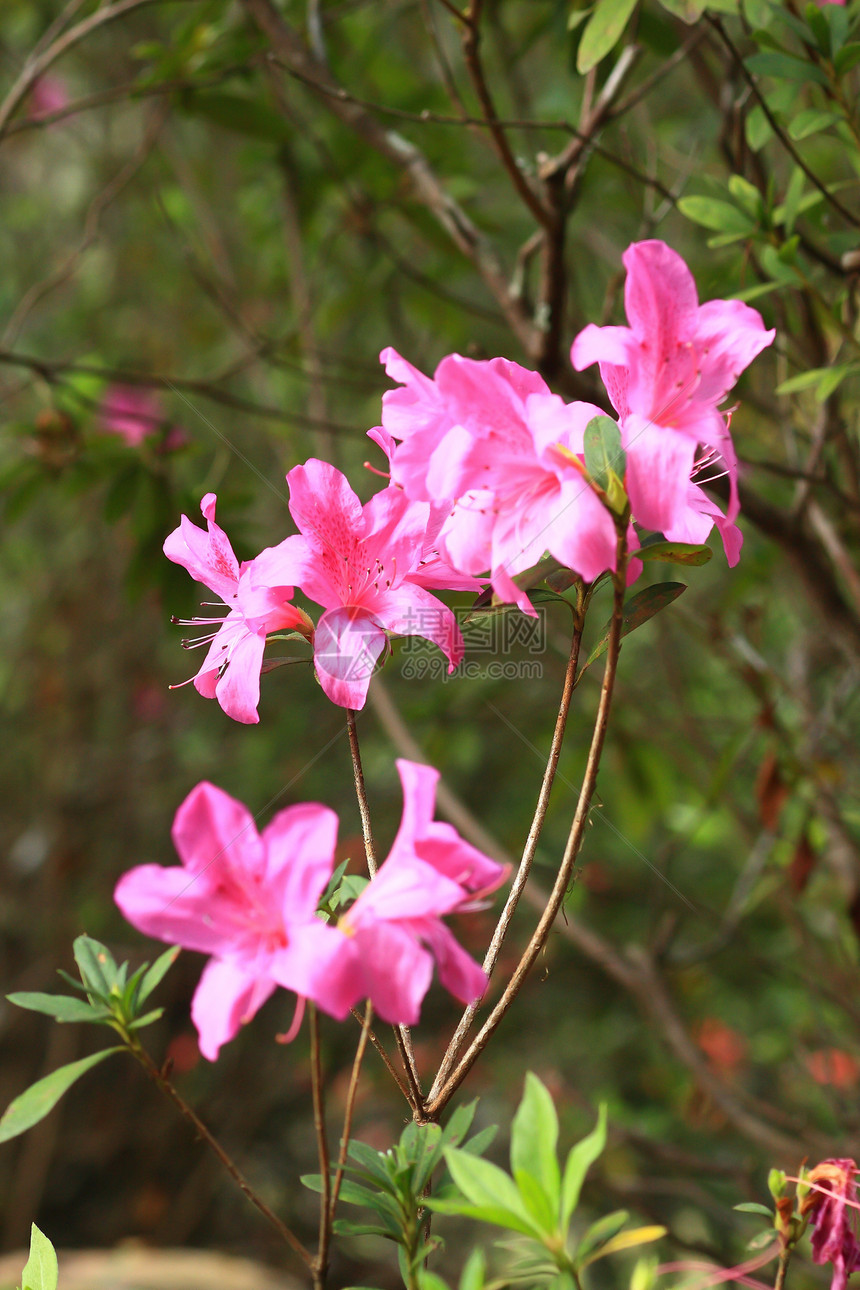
478	1143
41	1271
482	1182
686	553
146	1020
644	605
474	1271
602	32
534	1139
429	1280
579	1160
536	1203
602	450
599	1233
372	1161
753	1207
811	121
498	1215
459	1124
60	1006
803	381
832	379
758	129
626	1241
34	1104
157	972
847	58
785	67
746	195
688	11
96	964
711	212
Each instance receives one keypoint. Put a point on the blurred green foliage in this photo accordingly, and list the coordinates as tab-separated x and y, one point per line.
200	222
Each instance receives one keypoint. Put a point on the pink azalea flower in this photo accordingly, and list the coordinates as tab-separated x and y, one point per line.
393	931
131	412
833	1211
249	900
230	671
47	96
490	442
357	561
666	374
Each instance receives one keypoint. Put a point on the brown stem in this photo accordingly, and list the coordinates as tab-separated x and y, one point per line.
401	1033
350	1106
319	1266
475	67
784	1260
386	1060
163	1083
574	841
524	868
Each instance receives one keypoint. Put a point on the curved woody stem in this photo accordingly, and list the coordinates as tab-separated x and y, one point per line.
437	1103
319	1267
524	868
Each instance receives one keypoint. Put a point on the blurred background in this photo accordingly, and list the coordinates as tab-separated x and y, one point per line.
213	216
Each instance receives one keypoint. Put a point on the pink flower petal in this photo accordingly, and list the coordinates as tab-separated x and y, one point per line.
347	646
226	997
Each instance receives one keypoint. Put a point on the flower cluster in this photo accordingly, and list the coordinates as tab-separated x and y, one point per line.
250	901
487	475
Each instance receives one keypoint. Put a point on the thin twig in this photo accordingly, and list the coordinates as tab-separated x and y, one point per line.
350	1106
498	937
35	67
161	1081
574	842
386	1060
319	1266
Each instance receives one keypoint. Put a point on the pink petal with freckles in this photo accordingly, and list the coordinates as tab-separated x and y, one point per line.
324	506
225	999
208	557
411	611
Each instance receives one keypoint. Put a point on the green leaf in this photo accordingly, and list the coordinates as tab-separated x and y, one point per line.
753	1207
688	11
498	1215
34	1104
644	605
746	195
603	452
534	1139
478	1143
96	965
847	58
157	972
459	1124
579	1160
785	67
602	32
474	1271
627	1241
598	1234
803	380
489	1189
59	1006
758	129
41	1271
832	379
686	553
429	1280
811	121
710	212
